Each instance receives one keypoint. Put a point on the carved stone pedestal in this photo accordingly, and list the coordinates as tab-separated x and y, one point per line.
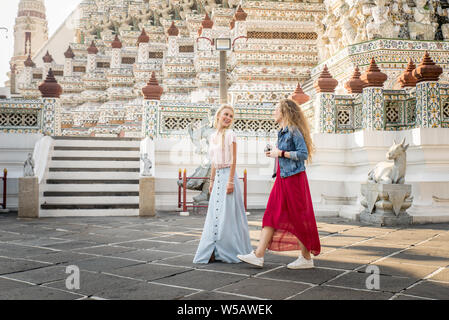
28	197
147	197
386	204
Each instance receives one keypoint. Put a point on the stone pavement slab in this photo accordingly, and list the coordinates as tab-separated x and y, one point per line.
9	265
10	284
152	258
442	275
104	264
214	295
104	250
313	276
93	283
146	255
334	293
38	293
357	280
58	257
201	279
393	267
41	275
430	289
149	272
145	291
265	288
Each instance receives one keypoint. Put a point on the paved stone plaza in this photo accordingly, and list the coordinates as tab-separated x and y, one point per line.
135	258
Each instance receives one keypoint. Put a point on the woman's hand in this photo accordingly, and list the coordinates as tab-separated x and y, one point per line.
211	185
275	153
230	187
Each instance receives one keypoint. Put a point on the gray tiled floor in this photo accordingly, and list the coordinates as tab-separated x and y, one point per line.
134	258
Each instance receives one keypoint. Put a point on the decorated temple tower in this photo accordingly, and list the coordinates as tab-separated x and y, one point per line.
30	33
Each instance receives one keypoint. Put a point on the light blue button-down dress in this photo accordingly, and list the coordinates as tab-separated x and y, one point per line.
225	230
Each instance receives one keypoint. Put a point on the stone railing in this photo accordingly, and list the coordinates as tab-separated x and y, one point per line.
21	116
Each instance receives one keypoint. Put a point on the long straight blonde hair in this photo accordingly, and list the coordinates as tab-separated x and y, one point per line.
294	118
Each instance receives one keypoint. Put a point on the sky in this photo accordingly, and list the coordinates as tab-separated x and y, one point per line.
57	11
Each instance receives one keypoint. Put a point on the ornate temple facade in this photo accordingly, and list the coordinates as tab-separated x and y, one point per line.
363	71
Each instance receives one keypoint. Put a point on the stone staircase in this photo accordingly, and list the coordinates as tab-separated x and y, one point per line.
92	177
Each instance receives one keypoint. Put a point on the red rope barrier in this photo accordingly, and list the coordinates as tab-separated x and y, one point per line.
5	173
184	193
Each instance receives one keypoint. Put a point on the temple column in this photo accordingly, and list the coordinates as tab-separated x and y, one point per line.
373	102
428	109
91	58
116	59
68	64
29	65
142	54
173	46
152	93
325	109
51	118
48	61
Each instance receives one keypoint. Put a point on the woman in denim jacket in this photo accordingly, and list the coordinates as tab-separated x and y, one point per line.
289	220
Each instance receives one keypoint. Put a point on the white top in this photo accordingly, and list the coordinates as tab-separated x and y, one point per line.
221	155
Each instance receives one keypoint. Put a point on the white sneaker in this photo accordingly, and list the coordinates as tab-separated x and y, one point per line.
301	263
251	259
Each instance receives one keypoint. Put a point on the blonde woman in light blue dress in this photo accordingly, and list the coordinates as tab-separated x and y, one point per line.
225	233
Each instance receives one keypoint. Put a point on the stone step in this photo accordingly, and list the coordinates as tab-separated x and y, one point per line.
90	187
93	164
103	206
57	169
97	143
96	158
109	139
91	200
47	213
95	154
65	175
91	194
92	181
81	148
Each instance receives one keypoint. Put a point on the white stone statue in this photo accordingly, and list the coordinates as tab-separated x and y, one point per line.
345	23
165	9
422	28
209	5
186	6
147	165
391	172
332	33
380	25
322	40
28	166
444	14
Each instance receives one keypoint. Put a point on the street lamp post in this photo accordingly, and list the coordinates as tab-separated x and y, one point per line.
223	45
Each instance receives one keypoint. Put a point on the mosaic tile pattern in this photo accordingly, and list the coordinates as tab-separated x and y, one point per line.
149	118
327	112
373	116
428	107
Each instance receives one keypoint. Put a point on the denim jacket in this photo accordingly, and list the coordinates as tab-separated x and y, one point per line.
293	142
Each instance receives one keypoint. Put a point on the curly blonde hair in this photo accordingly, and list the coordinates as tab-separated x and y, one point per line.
294	118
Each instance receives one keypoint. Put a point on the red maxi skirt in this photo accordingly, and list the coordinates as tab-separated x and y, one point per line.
290	212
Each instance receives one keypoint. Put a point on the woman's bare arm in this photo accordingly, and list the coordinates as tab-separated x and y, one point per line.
233	167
